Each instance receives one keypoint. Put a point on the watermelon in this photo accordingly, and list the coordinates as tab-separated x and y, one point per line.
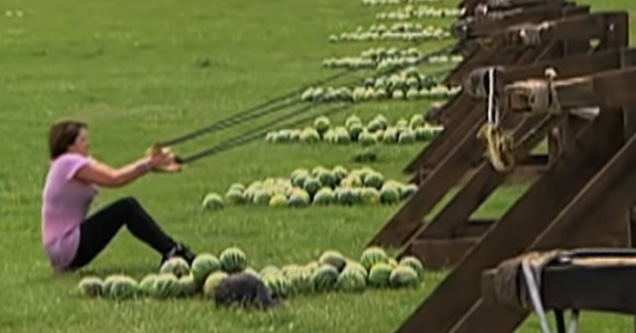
355	130
393	263
250	270
414	263
417	120
333	258
369	196
401	123
403	276
237	187
147	284
312	185
186	286
340	173
389	194
406	137
213	201
327	178
351	181
298	198
373	255
412	93
354	265
423	134
322	124
91	286
261	197
279	285
353	119
278	200
325	278
397	94
374	179
390	135
345	195
294	135
213	280
367	139
234	197
379	275
325	196
408	191
203	265
298	177
351	281
165	286
121	287
176	266
270	270
290	269
312	266
342	136
233	260
377	123
300	280
309	135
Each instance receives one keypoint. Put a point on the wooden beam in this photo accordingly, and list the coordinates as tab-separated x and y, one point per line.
408	219
463	110
502	19
602	89
518	227
470	5
597	216
481	185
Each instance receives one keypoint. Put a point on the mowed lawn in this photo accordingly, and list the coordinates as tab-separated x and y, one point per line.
133	71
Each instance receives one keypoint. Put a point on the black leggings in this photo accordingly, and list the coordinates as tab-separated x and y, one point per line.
98	230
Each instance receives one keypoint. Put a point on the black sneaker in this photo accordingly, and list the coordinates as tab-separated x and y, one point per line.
182	251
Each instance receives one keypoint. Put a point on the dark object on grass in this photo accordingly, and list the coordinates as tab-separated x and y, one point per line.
245	290
365	155
434	114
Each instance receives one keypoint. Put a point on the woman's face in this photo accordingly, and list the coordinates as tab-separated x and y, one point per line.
81	145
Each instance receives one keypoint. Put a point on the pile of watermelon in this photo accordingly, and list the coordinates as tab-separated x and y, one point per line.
317	187
411	12
366	133
382	57
407	84
175	279
393	2
330	272
398	31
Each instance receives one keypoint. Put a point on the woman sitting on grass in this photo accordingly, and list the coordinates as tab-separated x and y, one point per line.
70	239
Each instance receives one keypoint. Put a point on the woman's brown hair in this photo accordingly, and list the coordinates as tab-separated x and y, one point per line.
62	135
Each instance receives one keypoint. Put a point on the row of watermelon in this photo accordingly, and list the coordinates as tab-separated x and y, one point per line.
332	271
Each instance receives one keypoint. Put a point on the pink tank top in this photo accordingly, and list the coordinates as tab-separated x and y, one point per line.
65	204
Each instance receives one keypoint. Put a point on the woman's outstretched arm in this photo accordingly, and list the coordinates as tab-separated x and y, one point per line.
106	176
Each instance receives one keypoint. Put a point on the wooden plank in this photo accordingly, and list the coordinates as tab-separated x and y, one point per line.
502	20
517	228
470	5
409	218
463	109
596	217
474	193
605	88
441	253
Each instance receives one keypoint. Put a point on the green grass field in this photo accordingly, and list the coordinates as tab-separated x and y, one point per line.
130	69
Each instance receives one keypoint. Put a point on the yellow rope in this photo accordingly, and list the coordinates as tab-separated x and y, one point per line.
499	147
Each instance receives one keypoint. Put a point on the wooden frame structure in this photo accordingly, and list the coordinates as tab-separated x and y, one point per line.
583	200
472	7
445	239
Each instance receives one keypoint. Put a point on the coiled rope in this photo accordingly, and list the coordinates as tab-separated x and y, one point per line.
498	143
540	95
